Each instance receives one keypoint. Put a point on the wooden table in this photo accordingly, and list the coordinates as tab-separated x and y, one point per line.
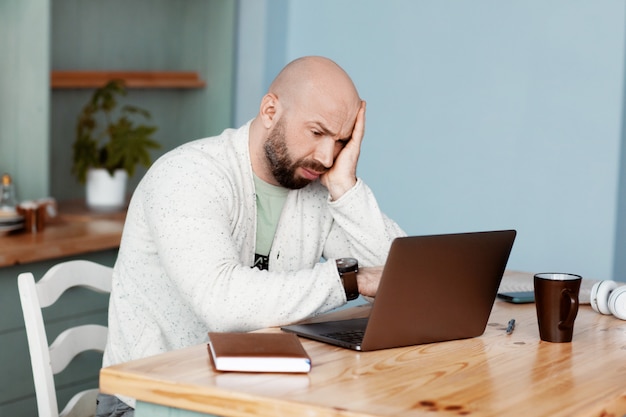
75	230
492	375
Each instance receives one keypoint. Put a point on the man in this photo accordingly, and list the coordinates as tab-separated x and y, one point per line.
242	231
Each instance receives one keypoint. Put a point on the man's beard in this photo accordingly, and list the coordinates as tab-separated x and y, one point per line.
282	166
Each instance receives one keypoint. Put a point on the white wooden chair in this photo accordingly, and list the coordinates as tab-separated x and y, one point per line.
48	360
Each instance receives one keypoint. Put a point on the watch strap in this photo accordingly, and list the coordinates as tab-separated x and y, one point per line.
350	285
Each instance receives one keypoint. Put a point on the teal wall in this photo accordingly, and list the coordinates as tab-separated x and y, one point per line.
261	50
37	125
24	94
178	35
482	114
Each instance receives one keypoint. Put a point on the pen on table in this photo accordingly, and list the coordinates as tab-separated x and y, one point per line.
510	327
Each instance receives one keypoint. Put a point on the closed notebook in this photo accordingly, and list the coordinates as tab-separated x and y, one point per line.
258	352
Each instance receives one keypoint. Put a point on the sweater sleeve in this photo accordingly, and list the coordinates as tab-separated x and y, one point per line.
360	229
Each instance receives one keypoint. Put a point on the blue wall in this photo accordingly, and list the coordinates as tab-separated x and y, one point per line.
481	115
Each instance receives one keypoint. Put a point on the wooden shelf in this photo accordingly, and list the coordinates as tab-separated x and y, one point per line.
133	79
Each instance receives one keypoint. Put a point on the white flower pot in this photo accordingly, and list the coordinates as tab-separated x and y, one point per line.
106	192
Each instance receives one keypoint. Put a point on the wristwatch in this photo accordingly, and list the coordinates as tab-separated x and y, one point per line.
347	268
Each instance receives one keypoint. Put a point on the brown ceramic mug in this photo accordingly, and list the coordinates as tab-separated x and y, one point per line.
28	209
36	213
556	300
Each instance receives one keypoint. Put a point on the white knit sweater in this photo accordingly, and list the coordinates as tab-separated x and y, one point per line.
184	264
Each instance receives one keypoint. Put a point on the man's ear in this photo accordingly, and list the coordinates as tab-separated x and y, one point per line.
269	109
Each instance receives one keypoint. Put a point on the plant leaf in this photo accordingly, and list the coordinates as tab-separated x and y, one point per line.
106	141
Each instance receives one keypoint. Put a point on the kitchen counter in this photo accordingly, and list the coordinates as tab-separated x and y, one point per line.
75	230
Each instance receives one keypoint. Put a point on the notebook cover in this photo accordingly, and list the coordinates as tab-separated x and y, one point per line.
258	352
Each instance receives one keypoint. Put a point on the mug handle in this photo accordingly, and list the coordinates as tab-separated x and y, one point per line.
568	323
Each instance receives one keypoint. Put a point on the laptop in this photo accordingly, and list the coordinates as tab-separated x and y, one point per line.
433	289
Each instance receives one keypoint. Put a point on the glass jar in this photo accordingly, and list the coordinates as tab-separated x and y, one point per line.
8	196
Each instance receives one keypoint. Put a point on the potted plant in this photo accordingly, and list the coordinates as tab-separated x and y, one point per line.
109	145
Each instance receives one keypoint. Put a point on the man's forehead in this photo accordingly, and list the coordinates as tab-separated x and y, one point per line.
334	125
336	116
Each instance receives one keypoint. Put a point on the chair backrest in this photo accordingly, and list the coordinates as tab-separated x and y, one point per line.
48	360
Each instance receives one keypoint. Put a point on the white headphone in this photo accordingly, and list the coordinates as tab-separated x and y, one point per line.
609	297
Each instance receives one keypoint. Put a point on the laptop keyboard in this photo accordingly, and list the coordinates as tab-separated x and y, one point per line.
349	336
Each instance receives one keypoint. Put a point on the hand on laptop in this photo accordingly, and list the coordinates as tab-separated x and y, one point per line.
368	279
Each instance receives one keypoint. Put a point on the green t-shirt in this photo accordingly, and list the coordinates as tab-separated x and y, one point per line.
270	200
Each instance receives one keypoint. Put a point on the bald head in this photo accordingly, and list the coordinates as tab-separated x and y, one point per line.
317	76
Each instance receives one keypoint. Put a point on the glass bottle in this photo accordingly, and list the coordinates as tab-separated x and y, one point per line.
8	198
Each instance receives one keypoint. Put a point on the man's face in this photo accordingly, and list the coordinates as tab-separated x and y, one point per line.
289	172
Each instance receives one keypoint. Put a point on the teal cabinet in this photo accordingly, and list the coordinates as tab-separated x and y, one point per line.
17	391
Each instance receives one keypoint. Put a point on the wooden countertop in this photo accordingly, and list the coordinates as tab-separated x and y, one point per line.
75	230
492	375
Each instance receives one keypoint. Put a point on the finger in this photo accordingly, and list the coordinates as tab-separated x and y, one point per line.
359	125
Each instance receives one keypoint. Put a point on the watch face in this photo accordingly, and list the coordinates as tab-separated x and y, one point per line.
347	264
